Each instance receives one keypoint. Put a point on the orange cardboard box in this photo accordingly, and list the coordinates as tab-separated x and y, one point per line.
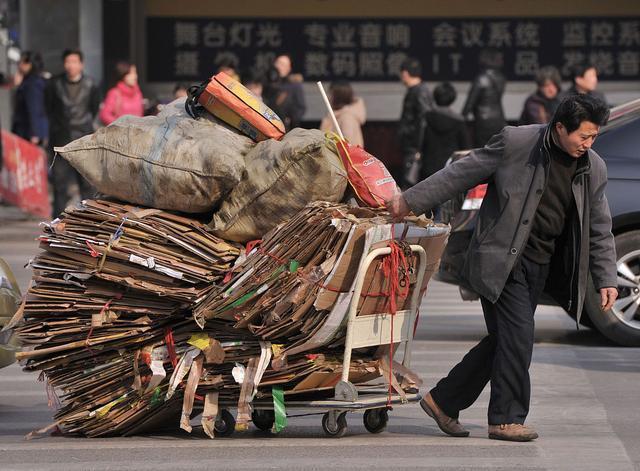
230	101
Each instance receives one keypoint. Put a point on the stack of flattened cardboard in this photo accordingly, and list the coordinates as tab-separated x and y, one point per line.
295	287
109	315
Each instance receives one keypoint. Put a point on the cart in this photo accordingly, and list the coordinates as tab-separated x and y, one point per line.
364	331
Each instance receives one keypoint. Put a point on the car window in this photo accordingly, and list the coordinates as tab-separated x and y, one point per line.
620	141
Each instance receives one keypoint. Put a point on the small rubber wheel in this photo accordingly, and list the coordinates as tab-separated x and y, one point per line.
340	427
263	419
225	424
375	420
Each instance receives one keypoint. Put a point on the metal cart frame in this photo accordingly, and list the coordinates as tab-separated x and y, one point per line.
362	331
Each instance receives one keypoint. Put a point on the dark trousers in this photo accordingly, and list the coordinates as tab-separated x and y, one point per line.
64	176
502	357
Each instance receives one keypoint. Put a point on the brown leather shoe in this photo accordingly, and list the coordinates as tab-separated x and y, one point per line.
447	424
512	432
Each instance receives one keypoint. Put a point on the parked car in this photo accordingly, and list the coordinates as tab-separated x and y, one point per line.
619	145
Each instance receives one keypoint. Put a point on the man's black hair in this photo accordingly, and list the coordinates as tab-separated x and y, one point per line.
412	66
70	52
580	69
576	109
444	94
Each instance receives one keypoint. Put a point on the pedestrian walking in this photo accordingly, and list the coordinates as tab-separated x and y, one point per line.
349	110
446	131
284	93
484	101
585	82
545	215
29	115
413	121
125	97
72	101
540	106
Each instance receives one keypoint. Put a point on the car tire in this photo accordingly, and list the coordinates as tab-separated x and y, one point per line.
613	324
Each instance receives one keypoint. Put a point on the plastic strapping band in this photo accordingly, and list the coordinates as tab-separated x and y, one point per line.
280	413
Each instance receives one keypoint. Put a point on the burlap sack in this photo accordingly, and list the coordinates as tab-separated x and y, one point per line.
170	161
282	178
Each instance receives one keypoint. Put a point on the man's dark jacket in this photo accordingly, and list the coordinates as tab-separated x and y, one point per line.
70	119
413	121
515	164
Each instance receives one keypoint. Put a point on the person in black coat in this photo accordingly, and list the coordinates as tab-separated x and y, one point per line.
72	101
484	101
446	131
29	116
540	106
284	93
585	82
411	128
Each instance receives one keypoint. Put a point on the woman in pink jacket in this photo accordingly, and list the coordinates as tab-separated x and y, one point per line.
125	98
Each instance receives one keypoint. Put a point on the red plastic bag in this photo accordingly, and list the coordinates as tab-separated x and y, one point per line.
368	176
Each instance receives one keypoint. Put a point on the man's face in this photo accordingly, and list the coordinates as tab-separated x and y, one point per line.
589	81
404	77
579	141
283	65
73	66
549	90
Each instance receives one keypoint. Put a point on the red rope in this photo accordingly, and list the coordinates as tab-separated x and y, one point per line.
171	346
392	265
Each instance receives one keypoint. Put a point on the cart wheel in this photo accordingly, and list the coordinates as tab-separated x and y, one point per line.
225	424
375	420
263	419
338	429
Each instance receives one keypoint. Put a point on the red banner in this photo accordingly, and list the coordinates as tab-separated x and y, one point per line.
23	179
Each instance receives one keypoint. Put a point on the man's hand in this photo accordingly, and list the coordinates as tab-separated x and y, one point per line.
607	298
398	206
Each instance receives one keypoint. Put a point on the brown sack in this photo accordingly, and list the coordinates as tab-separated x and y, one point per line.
169	161
282	178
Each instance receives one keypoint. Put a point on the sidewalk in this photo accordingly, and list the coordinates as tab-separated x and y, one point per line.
18	233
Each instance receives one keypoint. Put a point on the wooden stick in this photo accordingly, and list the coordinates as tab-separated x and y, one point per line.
328	105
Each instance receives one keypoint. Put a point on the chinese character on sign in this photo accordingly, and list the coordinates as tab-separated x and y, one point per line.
629	34
185	34
574	34
214	35
499	34
343	36
471	34
316	64
317	34
263	61
602	33
186	64
629	63
526	63
394	61
444	35
604	62
398	35
371	64
343	64
240	34
370	35
268	35
572	59
527	34
456	59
